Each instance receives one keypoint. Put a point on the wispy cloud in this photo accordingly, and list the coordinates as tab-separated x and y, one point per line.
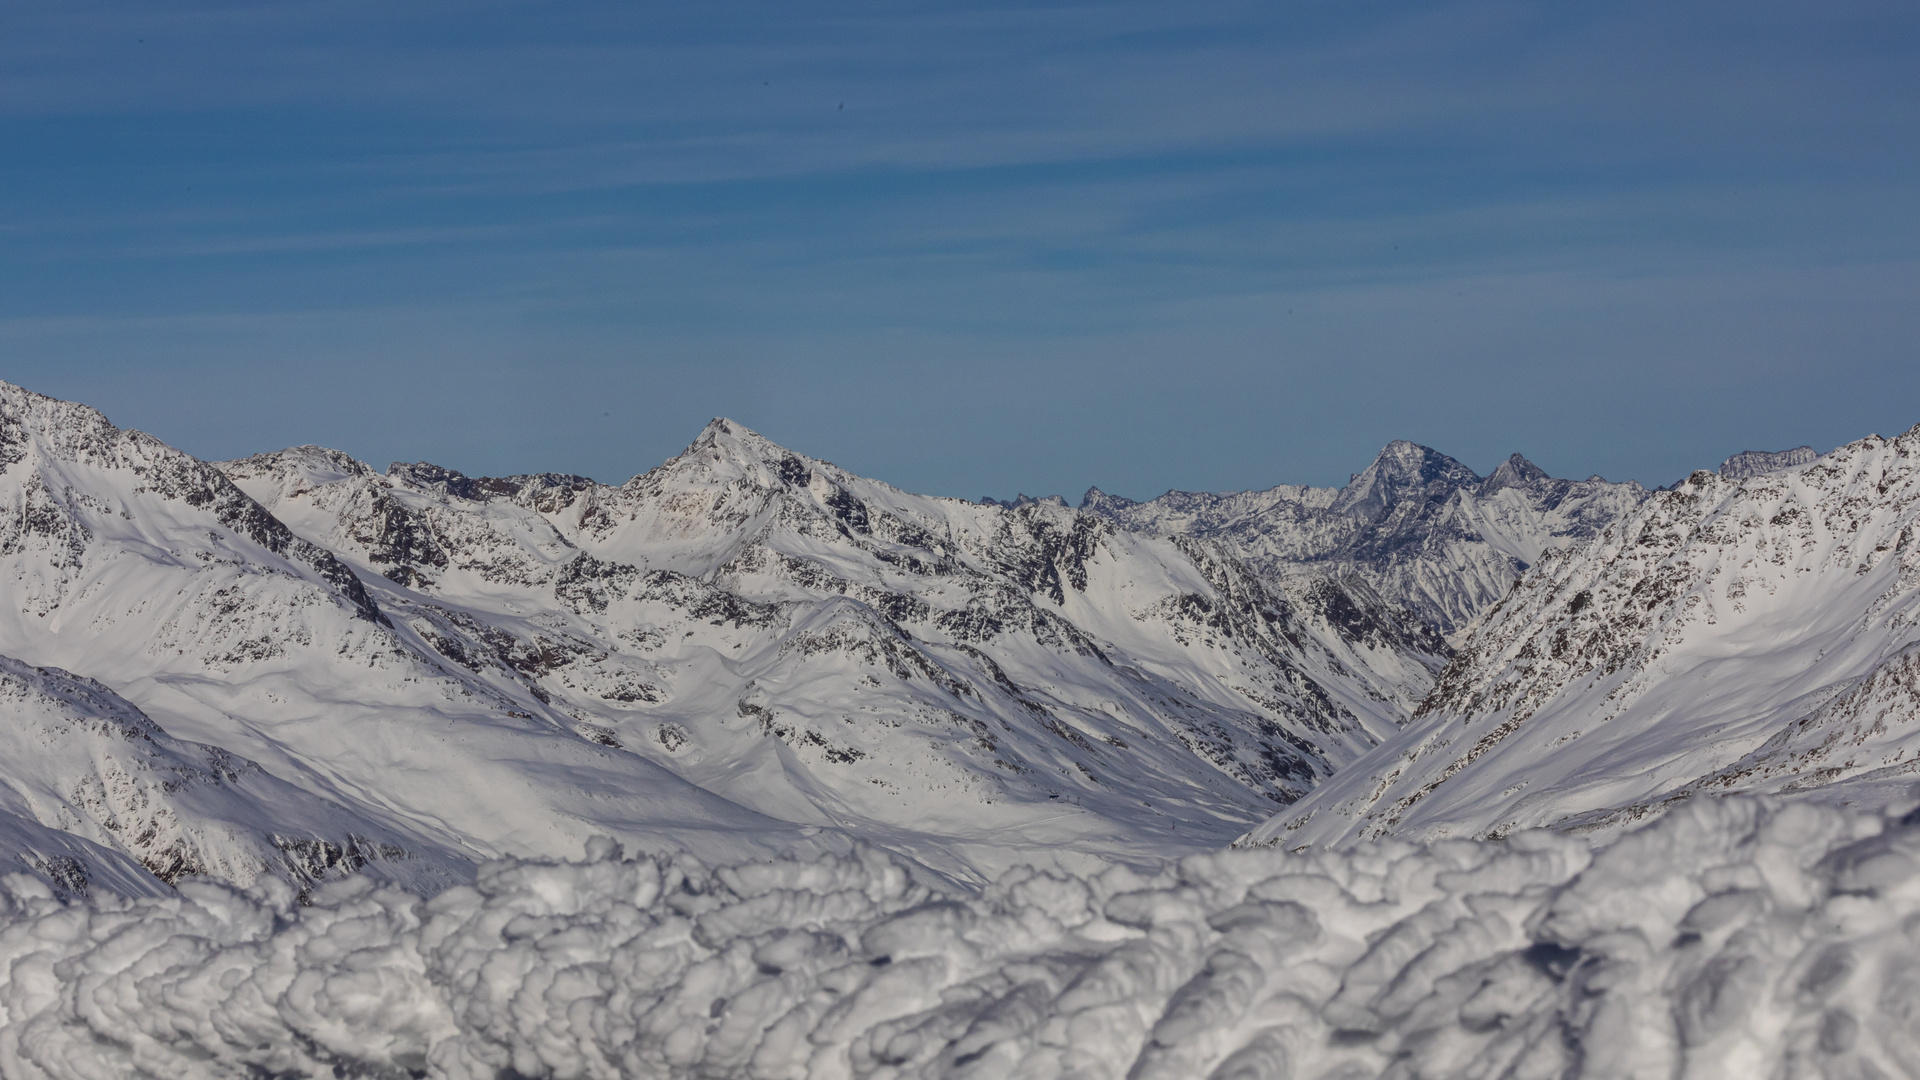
1373	207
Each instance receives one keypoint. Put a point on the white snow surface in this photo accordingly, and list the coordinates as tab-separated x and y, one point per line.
1756	634
1732	939
83	761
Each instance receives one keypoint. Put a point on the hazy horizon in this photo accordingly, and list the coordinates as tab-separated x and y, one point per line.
969	249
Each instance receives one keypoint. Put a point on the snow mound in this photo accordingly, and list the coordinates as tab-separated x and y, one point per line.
1731	938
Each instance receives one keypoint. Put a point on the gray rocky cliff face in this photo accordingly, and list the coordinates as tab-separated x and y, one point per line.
1755	462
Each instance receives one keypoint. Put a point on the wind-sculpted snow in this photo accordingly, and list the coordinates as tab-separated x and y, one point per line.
1732	939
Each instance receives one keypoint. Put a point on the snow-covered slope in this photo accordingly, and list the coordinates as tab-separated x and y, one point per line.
1424	531
127	562
955	679
1760	634
82	760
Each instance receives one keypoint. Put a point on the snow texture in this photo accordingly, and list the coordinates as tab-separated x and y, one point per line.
1734	938
82	760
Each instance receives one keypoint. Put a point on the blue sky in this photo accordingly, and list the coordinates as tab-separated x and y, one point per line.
970	248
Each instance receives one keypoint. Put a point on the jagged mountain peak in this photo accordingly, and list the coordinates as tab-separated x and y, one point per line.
1102	503
67	428
1428	533
1403	470
738	443
726	451
1516	471
67	444
306	465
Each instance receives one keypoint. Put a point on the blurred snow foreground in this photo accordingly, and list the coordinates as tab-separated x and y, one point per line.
1731	938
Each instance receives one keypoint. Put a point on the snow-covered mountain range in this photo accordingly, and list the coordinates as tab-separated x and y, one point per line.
1422	531
1732	634
295	666
153	598
744	649
294	752
829	650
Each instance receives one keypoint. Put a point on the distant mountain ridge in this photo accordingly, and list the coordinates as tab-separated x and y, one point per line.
1425	532
741	650
1759	634
1755	462
295	665
873	642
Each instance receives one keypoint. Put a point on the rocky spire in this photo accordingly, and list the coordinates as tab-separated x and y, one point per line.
1516	471
1401	471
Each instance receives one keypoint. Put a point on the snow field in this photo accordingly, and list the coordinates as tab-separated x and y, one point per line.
1731	938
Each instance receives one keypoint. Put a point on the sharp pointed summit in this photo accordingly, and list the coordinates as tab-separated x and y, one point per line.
1516	471
1100	502
727	451
1403	471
